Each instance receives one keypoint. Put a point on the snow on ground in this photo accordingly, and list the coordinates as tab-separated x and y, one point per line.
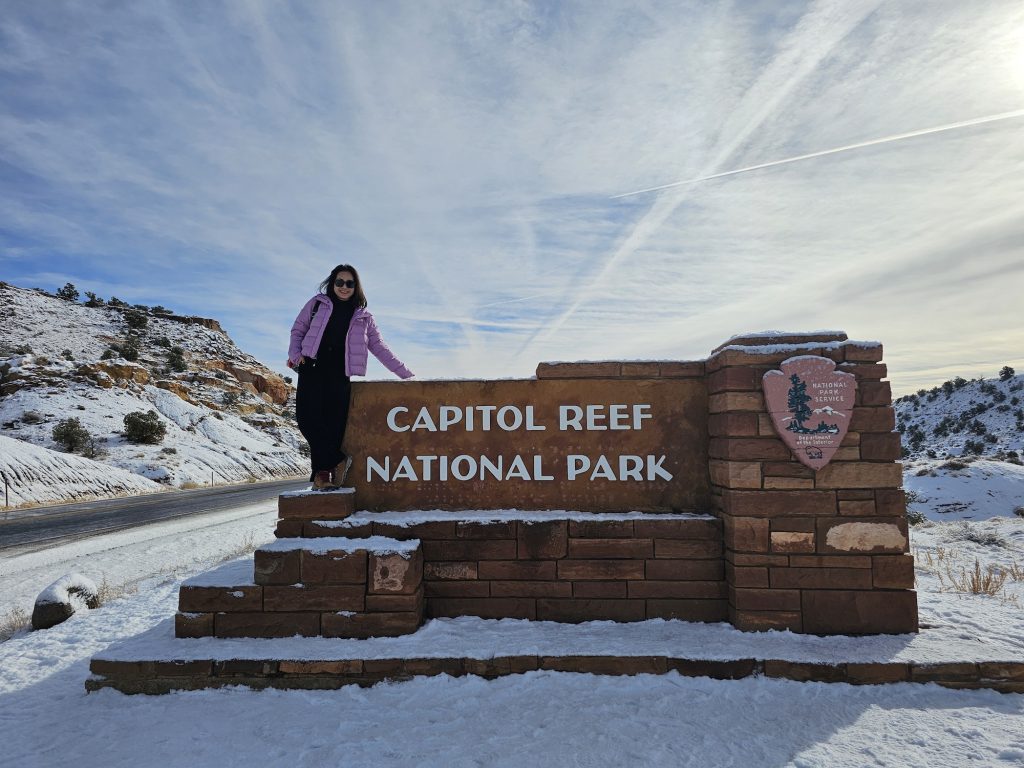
541	718
960	490
160	552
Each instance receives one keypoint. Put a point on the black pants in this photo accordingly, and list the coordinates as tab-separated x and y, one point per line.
321	408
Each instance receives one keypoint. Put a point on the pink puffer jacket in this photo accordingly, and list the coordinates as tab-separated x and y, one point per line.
363	337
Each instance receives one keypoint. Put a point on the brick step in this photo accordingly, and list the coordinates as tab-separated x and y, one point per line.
294	508
163	676
330	587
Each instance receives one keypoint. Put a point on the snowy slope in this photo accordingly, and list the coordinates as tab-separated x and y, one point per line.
39	474
964	441
227	417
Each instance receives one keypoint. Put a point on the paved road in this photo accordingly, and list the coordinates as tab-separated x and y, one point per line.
46	526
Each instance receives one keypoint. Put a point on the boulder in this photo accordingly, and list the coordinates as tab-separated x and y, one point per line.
56	603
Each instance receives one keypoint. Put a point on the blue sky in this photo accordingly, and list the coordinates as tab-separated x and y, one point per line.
220	158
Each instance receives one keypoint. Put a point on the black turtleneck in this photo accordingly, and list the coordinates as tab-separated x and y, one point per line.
332	344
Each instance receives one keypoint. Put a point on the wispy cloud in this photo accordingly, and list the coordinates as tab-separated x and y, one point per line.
220	159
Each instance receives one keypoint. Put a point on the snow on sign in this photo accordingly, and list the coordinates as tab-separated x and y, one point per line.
810	403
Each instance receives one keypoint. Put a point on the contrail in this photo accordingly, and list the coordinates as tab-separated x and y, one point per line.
871	143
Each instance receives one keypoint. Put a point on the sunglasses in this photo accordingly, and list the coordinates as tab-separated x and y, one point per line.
344	283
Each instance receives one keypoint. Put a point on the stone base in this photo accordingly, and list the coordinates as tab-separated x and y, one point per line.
157	677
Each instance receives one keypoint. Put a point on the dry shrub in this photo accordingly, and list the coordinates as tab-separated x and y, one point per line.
13	622
105	591
974	581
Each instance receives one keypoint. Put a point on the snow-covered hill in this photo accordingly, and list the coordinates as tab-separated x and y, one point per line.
963	443
226	416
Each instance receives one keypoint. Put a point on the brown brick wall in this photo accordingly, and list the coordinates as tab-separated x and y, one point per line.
825	551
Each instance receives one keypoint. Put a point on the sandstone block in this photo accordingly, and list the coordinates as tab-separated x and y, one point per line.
600	589
860	474
276	567
788	483
869	371
278	624
862	353
684	570
574	610
819	578
601	529
333	567
541	541
468	549
298	597
739	379
502	530
687	548
830	612
219	599
395	574
677	590
485	607
677	529
646	370
874	393
396	603
736	401
670	369
457	588
594	370
877	419
452	570
857	508
745	599
736	474
733	424
762	621
747	449
778	503
893	571
746	576
517	570
688	610
531	589
193	624
615	549
880	446
746	534
316	505
792	541
600	570
863	535
362	625
877	673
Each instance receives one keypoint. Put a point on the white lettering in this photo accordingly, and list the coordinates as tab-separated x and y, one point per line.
485	413
426	462
449	415
423	421
404	470
565	420
655	470
538	470
629	467
518	469
468	474
595	413
517	418
373	466
391	419
531	426
618	417
602	470
496	470
577	464
639	415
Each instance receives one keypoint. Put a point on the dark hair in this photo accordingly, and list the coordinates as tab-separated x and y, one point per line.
328	285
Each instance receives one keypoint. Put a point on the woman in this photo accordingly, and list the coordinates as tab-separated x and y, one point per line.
329	343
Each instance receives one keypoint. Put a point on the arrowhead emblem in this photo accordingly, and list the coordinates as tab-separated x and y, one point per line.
811	404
